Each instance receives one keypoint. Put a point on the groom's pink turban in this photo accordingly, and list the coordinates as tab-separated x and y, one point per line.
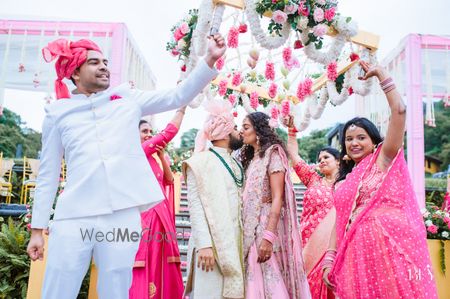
218	125
71	55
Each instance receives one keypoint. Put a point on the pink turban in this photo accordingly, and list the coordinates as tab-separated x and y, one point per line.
218	125
71	55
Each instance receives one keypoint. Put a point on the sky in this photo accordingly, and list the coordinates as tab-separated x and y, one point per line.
150	21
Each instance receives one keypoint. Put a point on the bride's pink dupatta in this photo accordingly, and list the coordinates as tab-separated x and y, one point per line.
291	261
383	253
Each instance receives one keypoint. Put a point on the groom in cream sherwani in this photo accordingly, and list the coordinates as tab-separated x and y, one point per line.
108	177
214	180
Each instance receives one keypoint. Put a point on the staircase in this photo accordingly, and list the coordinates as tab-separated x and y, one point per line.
183	223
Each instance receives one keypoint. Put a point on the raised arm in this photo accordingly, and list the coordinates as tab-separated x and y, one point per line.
396	128
305	172
160	140
152	102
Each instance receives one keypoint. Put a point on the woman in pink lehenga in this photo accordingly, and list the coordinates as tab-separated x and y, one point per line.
156	272
379	235
272	245
318	214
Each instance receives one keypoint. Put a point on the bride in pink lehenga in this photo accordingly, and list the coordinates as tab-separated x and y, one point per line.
378	248
272	245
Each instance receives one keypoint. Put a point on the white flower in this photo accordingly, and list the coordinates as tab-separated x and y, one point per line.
445	234
423	210
426	214
321	2
26	220
302	23
428	223
181	44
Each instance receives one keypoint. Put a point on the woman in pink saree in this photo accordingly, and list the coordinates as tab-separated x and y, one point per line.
272	245
157	272
379	238
318	214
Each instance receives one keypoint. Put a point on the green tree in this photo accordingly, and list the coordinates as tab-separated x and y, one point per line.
12	134
310	145
188	138
437	139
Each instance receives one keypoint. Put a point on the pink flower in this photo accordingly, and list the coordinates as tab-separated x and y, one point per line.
177	35
293	63
21	68
447	219
220	63
432	229
242	28
279	17
237	79
223	84
29	226
183	68
320	30
233	37
28	216
307	86
235	114
175	52
330	13
270	71
318	14
290	9
287	54
254	101
354	57
303	9
274	112
232	99
115	97
184	28
273	89
285	108
332	71
304	89
350	91
298	44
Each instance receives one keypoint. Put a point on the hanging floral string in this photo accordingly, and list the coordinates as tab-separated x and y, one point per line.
429	108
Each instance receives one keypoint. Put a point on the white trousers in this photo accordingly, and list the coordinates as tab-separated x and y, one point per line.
72	244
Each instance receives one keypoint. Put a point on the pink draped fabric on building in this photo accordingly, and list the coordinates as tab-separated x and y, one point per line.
316	223
157	272
381	239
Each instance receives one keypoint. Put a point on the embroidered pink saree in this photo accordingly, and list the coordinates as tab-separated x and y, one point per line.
381	239
283	275
157	273
316	223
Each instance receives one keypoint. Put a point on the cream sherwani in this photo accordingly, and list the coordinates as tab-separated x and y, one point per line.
108	181
214	207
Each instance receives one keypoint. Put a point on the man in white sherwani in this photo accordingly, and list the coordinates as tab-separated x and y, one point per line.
214	180
109	180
